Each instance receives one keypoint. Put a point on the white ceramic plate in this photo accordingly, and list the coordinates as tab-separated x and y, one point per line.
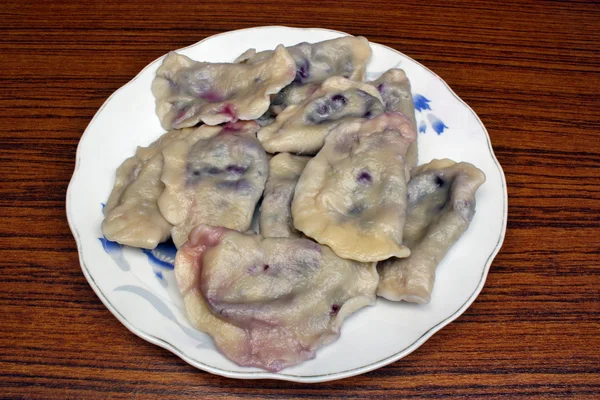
138	286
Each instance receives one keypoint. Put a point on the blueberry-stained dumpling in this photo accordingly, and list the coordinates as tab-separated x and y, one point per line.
268	303
394	88
275	210
188	92
216	175
352	195
315	62
131	213
441	205
302	128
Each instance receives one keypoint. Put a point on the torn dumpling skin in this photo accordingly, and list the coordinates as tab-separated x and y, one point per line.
275	210
441	205
268	303
352	195
216	175
302	128
315	62
132	216
394	88
188	92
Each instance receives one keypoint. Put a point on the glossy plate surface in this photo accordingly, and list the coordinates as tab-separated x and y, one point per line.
138	287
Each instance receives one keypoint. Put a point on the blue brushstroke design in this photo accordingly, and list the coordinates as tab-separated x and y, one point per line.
422	127
437	124
163	256
158	274
115	251
421	102
163	309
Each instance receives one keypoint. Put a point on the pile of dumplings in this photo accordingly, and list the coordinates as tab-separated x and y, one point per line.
346	214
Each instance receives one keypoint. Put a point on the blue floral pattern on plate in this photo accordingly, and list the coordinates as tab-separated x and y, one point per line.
437	124
421	102
115	251
425	111
163	256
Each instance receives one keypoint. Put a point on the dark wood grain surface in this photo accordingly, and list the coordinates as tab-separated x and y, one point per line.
531	71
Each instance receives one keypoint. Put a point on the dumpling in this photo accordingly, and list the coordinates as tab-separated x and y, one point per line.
315	62
132	216
441	205
215	176
188	91
136	220
352	195
394	88
275	210
268	303
302	128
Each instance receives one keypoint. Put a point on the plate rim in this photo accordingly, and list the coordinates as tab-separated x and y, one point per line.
264	374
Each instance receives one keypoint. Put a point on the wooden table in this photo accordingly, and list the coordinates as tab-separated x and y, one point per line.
531	71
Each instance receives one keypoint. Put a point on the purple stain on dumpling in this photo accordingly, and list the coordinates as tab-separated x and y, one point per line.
437	124
465	208
312	246
323	109
356	209
302	71
208	171
327	109
230	111
236	169
184	112
233	127
335	308
195	174
211	96
254	269
421	102
364	178
240	185
339	99
169	79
